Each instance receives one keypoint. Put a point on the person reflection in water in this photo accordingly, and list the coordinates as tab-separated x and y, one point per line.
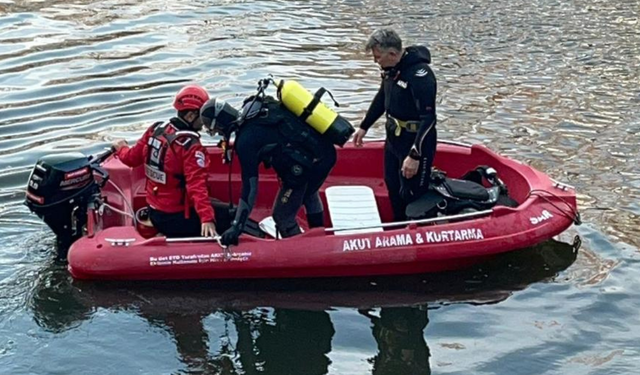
190	337
192	342
291	342
399	332
296	342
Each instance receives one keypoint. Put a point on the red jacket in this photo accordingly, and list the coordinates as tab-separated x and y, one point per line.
175	161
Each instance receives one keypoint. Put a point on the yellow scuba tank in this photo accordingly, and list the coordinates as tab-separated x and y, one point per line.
311	110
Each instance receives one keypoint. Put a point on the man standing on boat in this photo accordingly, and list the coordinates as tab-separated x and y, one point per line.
408	97
176	167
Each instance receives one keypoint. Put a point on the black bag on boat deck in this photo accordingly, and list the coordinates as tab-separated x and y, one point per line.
449	196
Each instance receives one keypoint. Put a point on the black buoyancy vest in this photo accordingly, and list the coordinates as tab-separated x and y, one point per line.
294	132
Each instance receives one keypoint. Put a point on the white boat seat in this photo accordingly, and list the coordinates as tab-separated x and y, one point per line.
353	206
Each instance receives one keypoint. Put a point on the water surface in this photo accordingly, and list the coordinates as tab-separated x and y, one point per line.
553	84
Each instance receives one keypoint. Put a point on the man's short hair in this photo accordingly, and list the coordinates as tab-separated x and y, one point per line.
384	39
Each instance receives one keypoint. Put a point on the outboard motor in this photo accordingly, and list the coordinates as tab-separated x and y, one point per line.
60	189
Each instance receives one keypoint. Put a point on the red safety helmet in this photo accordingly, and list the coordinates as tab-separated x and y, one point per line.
190	97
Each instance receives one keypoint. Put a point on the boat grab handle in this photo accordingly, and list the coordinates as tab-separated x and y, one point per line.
421	221
225	249
444	141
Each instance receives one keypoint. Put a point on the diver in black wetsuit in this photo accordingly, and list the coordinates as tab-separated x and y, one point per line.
268	133
408	96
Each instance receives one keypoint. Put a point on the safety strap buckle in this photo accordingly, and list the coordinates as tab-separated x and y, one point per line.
410	126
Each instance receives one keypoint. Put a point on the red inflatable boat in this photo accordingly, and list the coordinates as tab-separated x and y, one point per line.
359	239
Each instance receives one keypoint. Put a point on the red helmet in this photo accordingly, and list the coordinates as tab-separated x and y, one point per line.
190	97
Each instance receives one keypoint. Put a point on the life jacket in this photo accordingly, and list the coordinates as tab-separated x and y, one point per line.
157	146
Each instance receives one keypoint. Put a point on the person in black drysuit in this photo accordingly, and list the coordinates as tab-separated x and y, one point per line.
268	133
408	96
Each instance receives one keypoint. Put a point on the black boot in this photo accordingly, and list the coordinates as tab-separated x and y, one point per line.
315	220
289	232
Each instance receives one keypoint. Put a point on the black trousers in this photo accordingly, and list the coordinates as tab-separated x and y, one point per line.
291	197
176	225
403	191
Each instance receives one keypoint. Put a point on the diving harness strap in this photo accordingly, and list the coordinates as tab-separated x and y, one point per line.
308	110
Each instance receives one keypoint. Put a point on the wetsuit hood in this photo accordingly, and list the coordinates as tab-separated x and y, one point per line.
414	55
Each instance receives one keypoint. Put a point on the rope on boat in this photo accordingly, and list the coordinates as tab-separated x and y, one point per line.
226	249
126	201
573	215
125	213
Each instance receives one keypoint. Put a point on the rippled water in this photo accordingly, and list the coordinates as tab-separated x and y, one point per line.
550	83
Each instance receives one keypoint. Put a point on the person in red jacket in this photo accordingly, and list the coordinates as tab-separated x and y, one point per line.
176	167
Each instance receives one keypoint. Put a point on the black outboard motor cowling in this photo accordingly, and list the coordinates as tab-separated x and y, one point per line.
60	188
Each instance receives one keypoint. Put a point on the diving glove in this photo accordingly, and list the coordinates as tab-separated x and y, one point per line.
230	236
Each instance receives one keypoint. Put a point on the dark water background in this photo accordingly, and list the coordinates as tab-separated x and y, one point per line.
552	83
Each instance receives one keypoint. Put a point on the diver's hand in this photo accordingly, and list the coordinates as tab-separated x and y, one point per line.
358	137
208	230
410	167
230	236
118	144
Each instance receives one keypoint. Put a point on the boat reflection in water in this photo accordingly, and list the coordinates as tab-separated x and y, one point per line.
284	327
